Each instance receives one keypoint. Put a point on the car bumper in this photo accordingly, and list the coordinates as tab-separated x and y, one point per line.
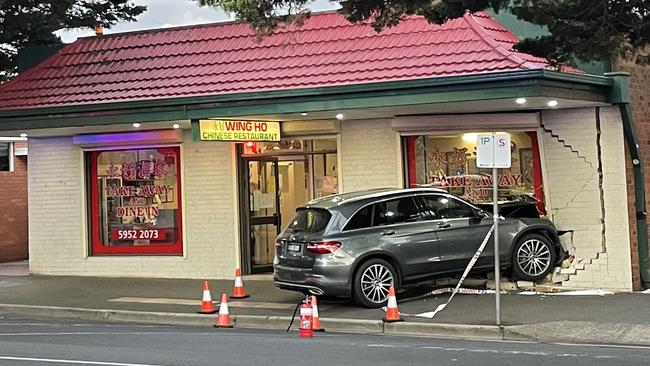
332	281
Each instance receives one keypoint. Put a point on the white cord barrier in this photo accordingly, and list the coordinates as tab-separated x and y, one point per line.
470	265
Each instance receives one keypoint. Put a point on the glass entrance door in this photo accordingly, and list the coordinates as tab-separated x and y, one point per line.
275	178
263	219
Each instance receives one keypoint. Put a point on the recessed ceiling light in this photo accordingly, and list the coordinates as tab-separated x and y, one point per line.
552	103
520	101
23	135
136	125
176	125
339	116
470	137
303	113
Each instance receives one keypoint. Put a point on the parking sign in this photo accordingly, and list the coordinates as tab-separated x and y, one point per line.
493	150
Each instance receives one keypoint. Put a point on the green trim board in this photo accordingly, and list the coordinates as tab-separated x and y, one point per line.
525	83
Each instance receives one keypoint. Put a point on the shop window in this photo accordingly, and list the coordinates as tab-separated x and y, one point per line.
135	201
449	162
5	156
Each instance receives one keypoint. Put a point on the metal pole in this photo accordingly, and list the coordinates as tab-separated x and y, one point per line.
497	274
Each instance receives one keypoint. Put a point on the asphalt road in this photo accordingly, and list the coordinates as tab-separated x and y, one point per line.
31	341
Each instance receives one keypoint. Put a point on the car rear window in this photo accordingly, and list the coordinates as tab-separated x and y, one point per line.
310	220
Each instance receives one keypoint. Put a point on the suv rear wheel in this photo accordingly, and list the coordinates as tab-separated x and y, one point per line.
533	257
372	281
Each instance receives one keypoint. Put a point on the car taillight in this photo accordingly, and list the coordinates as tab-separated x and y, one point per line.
323	247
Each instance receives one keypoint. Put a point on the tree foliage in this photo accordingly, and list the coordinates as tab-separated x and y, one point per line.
586	30
26	23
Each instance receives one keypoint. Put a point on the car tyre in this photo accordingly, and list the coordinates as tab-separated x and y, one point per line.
533	257
372	281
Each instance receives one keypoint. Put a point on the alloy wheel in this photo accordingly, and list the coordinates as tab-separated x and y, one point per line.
533	257
375	282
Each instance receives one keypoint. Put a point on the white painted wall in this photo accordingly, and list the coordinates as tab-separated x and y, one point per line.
58	240
370	155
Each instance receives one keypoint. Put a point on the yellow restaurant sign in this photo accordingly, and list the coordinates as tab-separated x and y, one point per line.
227	130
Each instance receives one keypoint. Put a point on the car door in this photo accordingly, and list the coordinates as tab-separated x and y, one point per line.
460	229
402	231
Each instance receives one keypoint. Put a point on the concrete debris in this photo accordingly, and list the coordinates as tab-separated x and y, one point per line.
568	271
567	262
559	277
546	288
509	286
505	285
646	291
525	284
447	281
594	292
474	282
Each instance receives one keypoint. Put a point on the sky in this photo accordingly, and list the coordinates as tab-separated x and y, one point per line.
172	13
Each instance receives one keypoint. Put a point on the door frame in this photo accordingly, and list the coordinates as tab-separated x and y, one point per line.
245	219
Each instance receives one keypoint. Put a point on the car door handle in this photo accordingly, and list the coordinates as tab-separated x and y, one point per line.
444	226
388	232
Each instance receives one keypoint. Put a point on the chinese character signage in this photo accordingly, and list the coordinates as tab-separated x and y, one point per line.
226	130
451	162
135	201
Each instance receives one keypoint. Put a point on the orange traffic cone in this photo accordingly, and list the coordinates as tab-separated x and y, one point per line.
223	319
238	291
392	312
315	323
207	307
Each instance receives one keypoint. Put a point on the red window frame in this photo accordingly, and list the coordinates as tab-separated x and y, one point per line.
98	248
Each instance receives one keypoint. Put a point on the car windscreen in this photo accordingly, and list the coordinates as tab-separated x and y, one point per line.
309	220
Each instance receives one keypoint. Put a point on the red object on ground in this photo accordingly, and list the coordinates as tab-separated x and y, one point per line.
392	312
223	319
306	312
238	291
207	307
315	317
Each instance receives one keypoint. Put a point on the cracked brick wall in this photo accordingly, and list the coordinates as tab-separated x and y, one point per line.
594	207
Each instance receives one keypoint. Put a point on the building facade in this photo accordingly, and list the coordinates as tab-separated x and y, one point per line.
181	153
13	199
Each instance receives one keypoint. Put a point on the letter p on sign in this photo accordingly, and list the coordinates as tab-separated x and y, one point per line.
493	150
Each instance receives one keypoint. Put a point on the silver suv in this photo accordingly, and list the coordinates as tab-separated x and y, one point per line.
358	244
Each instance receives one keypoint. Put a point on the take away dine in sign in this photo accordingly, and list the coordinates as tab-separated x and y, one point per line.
227	130
493	150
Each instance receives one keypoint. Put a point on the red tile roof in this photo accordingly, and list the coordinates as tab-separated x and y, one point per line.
225	58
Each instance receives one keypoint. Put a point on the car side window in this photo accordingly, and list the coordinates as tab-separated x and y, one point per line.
443	207
361	219
395	211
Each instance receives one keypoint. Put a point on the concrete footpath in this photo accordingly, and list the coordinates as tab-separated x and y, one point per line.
622	318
